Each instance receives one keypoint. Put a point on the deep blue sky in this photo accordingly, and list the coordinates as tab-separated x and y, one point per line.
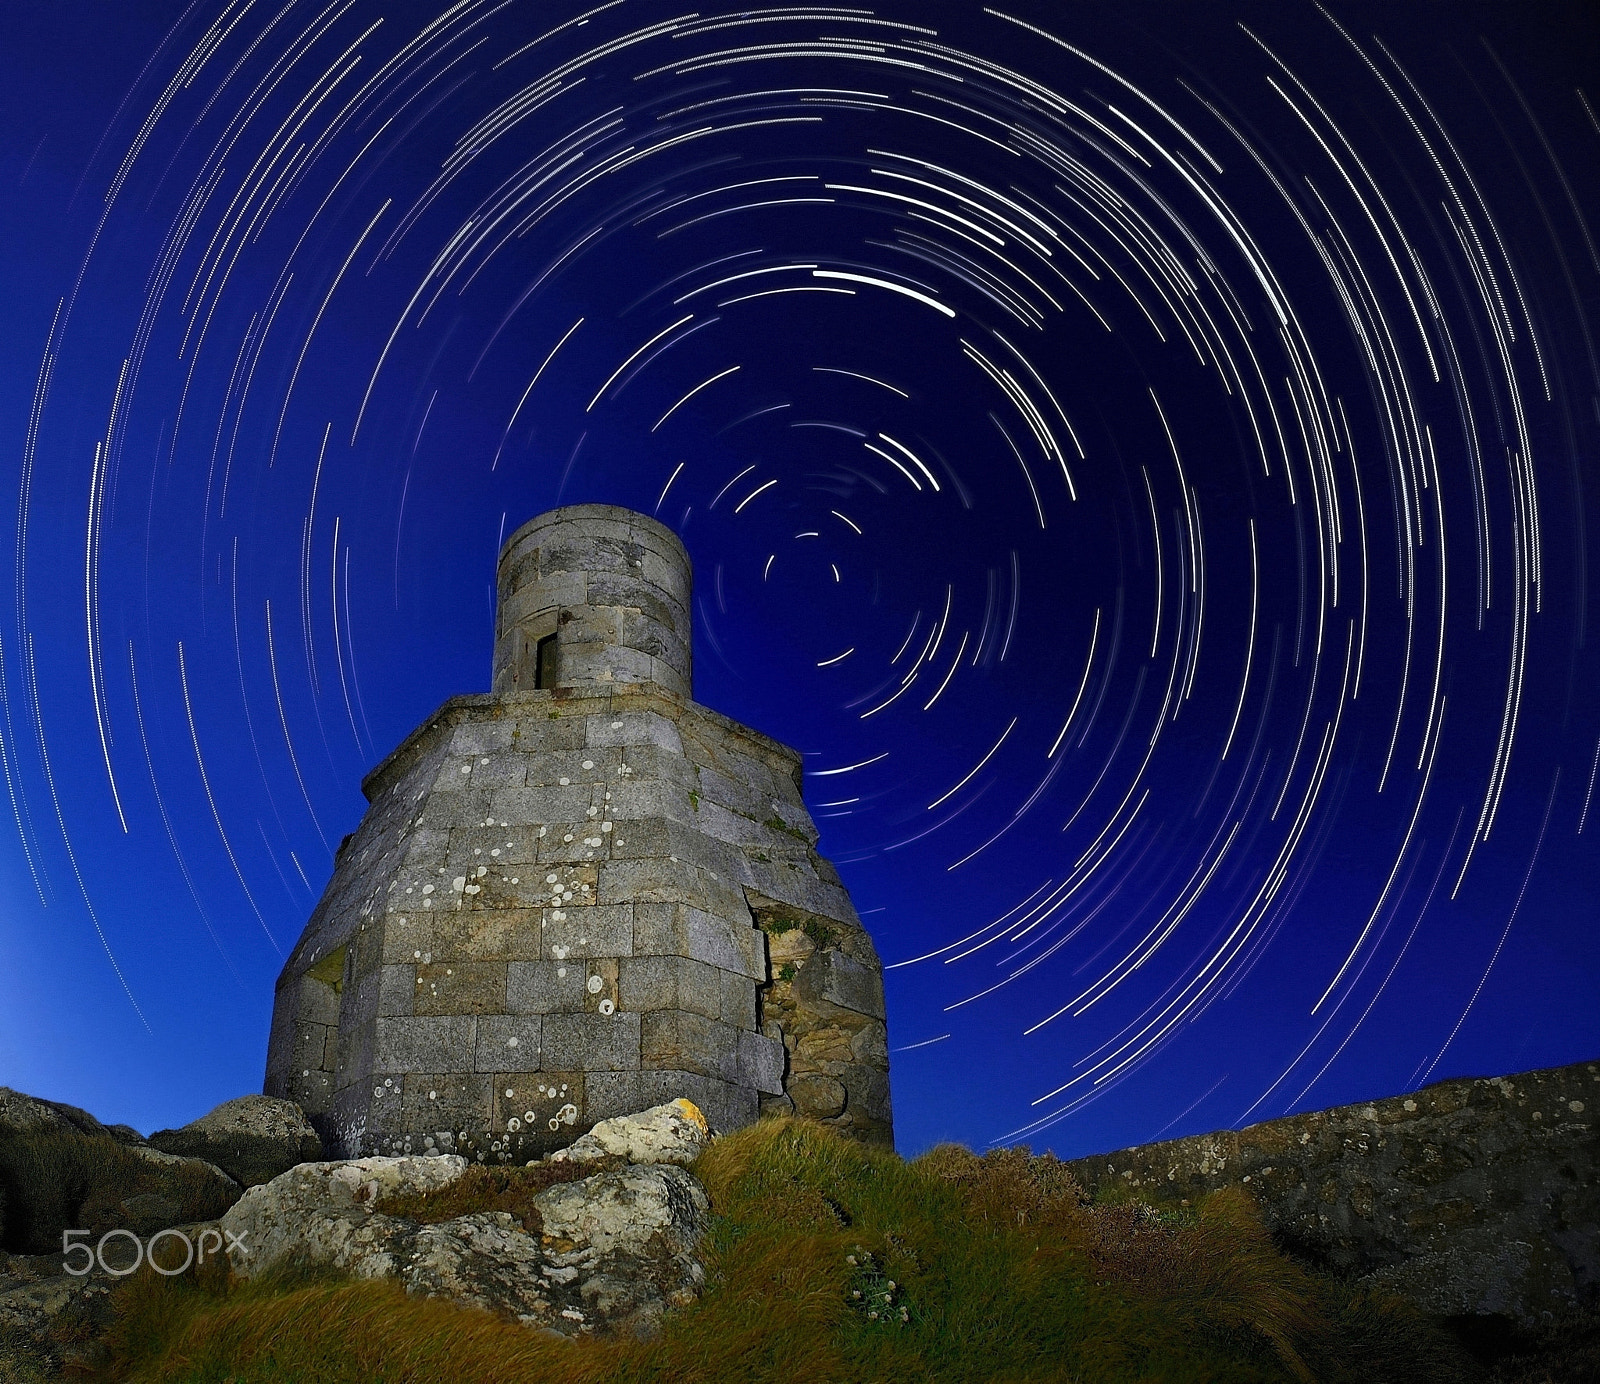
1201	402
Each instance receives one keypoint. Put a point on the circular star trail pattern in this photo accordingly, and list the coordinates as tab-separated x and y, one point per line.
1147	475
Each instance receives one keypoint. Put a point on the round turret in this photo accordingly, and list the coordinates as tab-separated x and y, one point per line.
593	595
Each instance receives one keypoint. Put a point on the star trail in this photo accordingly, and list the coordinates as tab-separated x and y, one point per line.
1143	460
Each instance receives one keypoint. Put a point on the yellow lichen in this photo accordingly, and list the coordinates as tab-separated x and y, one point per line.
691	1112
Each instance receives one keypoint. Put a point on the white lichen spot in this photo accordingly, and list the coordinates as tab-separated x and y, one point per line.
596	985
459	883
512	1042
567	837
616	725
1576	1106
1410	1106
513	1124
561	972
427	889
588	764
495	852
509	1092
607	1007
466	768
563	781
605	826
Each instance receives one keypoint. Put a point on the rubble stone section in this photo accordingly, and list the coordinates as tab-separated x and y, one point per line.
1468	1196
558	906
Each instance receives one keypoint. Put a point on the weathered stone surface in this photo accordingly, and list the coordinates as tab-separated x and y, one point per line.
824	1005
49	1320
581	866
251	1138
323	1212
1468	1196
615	1249
628	1240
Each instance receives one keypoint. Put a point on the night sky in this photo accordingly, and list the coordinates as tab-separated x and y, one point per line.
1144	455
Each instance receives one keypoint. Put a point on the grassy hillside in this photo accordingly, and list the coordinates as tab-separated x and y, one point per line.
831	1262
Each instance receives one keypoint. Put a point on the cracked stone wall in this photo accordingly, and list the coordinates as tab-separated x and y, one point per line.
558	907
1468	1196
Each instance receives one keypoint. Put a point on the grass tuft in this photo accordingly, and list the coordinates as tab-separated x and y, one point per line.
485	1189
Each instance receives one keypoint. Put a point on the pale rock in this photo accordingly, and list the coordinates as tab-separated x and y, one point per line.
672	1133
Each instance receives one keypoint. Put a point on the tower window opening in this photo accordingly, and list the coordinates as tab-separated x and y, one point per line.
544	675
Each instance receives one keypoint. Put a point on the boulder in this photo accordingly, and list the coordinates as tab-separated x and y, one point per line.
252	1138
673	1133
613	1250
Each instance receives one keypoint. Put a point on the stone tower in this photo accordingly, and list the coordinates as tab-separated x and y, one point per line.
580	895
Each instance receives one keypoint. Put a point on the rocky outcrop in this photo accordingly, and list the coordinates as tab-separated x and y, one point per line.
24	1114
607	1254
1468	1196
252	1139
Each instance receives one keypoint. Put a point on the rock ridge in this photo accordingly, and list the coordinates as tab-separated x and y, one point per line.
1469	1196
